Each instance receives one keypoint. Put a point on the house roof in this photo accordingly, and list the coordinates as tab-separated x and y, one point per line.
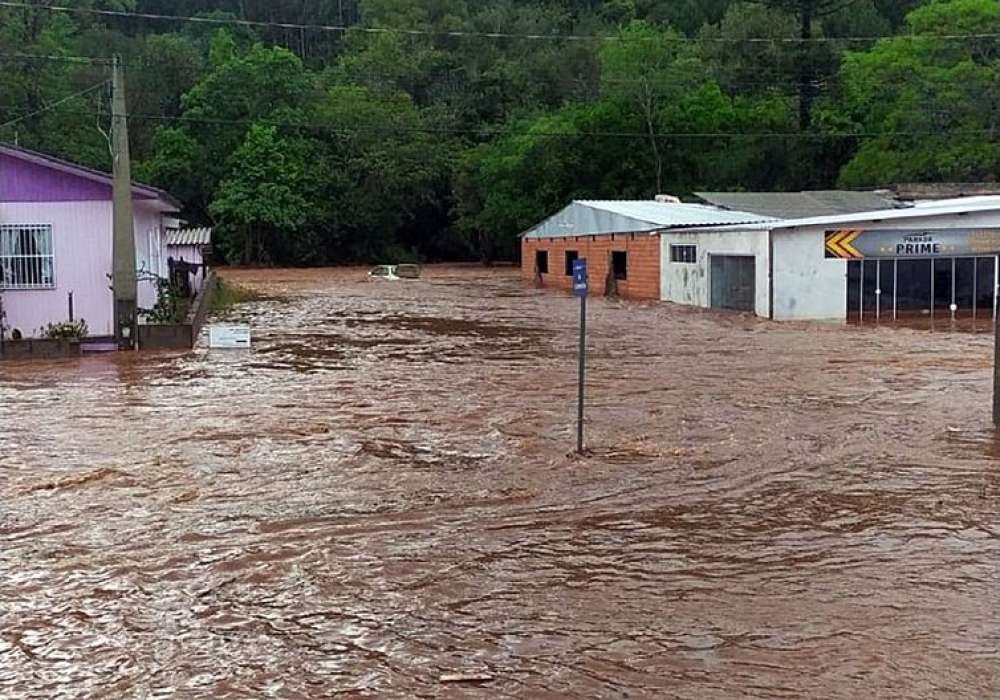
945	190
594	217
138	190
189	237
942	207
797	205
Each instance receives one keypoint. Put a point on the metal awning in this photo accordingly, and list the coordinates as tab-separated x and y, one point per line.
189	237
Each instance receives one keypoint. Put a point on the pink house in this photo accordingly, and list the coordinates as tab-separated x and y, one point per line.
55	240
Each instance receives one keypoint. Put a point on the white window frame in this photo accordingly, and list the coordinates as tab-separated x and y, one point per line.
155	259
34	271
675	253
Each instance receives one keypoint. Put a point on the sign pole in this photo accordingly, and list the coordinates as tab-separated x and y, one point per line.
580	289
583	369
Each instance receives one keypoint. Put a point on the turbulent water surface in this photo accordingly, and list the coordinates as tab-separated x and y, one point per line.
381	492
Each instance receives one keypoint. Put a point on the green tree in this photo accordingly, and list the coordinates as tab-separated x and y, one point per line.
266	85
650	68
263	199
931	99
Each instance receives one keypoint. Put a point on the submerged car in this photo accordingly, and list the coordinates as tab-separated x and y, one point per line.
409	271
395	272
387	272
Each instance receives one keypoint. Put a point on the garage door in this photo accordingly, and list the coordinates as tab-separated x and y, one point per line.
733	282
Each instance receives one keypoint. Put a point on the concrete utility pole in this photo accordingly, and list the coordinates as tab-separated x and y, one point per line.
123	281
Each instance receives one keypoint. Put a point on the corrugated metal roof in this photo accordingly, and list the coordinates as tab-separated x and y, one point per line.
943	207
949	207
594	217
797	205
189	236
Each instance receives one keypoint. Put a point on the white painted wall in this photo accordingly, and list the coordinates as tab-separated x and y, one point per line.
687	283
807	285
148	262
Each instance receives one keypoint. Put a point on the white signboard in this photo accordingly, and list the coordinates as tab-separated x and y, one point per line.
229	336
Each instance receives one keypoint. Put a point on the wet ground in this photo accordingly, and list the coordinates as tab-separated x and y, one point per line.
380	493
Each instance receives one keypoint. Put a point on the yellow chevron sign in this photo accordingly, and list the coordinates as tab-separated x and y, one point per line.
839	244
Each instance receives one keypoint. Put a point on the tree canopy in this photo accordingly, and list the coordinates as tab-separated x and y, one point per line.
327	131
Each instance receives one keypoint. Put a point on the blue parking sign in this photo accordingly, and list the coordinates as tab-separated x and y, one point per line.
580	277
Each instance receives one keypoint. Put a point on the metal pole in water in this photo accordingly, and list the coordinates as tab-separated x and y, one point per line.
861	293
580	289
895	288
954	305
878	291
583	369
975	289
996	284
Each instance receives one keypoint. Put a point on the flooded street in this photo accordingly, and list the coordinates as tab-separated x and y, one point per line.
380	492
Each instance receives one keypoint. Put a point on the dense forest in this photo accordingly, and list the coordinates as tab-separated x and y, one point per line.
326	131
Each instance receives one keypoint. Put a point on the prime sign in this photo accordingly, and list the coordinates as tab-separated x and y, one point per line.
857	244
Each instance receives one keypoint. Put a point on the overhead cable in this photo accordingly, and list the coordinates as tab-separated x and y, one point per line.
221	21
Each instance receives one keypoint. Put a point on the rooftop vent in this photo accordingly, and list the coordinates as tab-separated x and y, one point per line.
667	199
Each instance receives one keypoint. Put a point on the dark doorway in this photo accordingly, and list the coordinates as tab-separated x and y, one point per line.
985	286
942	285
571	257
964	283
931	288
733	282
619	262
914	287
542	261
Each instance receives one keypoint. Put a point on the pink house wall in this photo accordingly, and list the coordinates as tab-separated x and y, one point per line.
81	241
76	202
81	262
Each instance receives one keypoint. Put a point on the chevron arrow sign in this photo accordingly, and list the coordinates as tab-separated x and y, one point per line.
840	244
857	244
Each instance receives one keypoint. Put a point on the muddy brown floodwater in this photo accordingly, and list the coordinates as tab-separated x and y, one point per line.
380	493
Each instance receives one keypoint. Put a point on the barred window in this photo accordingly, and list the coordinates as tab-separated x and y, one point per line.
26	258
683	253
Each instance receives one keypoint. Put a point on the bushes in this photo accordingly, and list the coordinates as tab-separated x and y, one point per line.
66	330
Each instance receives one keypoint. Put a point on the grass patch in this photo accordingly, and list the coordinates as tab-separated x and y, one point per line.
228	294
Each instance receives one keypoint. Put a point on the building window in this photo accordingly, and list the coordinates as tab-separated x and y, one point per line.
619	263
684	253
542	261
155	247
26	259
571	257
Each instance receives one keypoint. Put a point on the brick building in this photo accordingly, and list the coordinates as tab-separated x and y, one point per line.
619	239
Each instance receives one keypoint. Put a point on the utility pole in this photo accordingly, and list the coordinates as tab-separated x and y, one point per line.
123	280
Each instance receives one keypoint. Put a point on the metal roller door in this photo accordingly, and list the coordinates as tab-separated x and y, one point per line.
733	282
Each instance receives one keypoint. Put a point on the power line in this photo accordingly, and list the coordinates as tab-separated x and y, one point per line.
53	105
218	21
501	131
56	58
597	79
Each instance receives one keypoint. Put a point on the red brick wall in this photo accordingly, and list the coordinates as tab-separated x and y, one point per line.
643	262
